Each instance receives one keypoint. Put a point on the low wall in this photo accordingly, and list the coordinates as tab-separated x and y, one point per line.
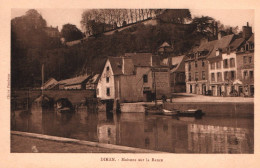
230	109
74	96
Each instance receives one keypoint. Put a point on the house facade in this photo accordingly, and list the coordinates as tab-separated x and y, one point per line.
177	73
222	65
133	77
245	67
196	68
227	63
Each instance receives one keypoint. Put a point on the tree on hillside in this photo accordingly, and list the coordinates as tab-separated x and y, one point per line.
179	16
204	24
29	30
70	32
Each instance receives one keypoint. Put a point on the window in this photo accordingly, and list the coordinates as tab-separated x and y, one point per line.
225	63
218	65
202	63
232	62
203	75
189	66
250	59
219	76
181	77
212	77
107	79
226	75
247	46
233	75
107	68
251	74
108	91
145	78
245	59
212	65
189	77
196	76
245	74
196	65
109	131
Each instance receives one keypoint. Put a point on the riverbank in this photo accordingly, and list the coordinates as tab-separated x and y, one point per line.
24	142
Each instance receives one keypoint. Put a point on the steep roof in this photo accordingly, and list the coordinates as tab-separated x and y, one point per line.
165	44
176	63
116	64
236	43
222	43
94	79
75	80
140	59
251	39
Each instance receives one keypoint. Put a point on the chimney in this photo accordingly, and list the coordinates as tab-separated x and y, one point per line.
247	31
219	35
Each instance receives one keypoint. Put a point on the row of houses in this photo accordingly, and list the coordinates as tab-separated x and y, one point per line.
223	67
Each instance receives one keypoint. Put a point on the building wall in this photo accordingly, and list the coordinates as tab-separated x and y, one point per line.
162	81
132	86
241	66
103	84
77	86
197	85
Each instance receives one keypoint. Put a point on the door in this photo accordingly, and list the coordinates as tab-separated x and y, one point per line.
213	91
203	89
240	91
251	90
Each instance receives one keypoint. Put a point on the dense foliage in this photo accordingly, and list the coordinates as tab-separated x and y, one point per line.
31	47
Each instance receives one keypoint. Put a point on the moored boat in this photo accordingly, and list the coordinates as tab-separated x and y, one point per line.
170	112
191	112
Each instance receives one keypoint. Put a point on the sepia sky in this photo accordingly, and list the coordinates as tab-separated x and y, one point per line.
59	17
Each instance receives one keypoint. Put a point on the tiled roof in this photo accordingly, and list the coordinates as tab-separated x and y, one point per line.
251	39
140	59
116	64
165	44
75	80
176	62
222	43
236	43
94	79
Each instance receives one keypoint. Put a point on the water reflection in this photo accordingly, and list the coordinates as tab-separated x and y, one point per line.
164	133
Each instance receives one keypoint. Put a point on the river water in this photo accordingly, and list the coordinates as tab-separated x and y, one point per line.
156	132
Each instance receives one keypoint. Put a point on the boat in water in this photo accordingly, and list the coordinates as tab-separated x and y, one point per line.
170	112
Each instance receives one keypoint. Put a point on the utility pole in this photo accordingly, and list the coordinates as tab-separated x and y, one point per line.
42	77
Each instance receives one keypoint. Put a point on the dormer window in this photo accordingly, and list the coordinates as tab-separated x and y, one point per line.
217	52
247	47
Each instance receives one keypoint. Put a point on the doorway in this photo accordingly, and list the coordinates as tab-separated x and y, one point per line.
203	89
